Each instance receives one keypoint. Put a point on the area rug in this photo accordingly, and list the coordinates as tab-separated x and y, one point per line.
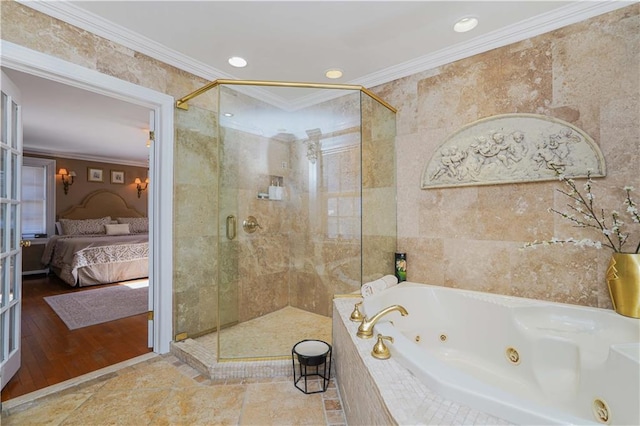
90	307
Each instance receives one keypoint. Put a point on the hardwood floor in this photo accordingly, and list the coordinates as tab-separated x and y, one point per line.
51	353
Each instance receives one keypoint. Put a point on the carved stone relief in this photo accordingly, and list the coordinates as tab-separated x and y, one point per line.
512	148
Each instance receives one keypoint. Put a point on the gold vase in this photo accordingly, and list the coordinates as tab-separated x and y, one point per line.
623	277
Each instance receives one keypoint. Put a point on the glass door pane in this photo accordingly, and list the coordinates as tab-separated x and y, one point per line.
4	282
298	174
378	190
195	228
10	255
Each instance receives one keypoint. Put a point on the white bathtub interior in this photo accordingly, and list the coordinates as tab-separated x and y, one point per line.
523	360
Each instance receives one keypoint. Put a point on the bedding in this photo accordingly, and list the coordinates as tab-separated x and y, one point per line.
84	226
136	224
101	240
91	259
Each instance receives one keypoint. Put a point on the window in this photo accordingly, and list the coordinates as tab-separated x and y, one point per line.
38	197
341	182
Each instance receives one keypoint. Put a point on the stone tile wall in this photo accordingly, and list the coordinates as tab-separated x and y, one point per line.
469	237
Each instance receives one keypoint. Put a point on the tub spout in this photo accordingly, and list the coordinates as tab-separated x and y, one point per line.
365	331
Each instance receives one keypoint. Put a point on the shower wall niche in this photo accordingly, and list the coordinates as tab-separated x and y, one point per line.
316	187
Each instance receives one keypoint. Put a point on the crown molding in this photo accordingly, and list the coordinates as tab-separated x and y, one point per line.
74	15
101	27
541	24
566	15
83	157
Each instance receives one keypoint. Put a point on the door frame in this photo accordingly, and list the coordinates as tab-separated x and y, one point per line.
29	61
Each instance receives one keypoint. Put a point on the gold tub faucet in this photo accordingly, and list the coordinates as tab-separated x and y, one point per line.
380	350
356	315
365	331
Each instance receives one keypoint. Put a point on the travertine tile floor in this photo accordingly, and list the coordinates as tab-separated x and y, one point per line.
161	390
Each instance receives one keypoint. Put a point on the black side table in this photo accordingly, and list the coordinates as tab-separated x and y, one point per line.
310	354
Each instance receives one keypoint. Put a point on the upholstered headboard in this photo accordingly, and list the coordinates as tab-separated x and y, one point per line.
98	204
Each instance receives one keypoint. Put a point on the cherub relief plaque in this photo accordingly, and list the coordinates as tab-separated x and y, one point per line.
513	148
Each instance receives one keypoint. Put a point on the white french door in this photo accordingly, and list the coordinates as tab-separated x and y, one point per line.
10	243
151	216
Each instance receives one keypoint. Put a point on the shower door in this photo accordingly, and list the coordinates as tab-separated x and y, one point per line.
289	219
254	249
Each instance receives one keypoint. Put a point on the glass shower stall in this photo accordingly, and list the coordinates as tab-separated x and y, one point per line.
301	190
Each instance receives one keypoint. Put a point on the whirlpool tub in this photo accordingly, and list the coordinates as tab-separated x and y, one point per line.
525	361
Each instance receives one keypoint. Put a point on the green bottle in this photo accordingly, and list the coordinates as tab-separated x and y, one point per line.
401	267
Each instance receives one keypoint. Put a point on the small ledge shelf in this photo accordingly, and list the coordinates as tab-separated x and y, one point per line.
266	198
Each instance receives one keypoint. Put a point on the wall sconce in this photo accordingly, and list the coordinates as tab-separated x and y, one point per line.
67	179
139	186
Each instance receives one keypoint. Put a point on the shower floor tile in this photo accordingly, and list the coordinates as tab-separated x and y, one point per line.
270	335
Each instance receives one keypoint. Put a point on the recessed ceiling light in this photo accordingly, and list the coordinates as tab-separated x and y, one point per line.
465	24
333	73
237	61
228	114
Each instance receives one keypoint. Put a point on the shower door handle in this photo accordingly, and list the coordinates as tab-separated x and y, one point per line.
231	227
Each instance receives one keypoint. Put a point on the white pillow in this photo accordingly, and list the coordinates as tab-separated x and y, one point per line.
58	228
119	229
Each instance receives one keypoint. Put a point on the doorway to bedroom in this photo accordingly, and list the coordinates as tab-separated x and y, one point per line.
67	330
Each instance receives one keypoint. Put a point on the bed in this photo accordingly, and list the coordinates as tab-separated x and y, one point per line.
100	241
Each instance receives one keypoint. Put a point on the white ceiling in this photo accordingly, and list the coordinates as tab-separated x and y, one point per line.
76	123
372	42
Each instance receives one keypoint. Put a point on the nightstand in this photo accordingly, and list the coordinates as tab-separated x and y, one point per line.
31	257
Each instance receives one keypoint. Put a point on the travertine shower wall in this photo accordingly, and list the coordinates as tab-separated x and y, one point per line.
255	277
586	74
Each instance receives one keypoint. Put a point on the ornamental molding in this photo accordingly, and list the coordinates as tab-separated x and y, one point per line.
513	148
